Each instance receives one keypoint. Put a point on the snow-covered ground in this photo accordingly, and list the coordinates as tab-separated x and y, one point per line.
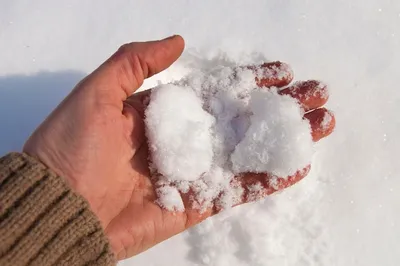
346	212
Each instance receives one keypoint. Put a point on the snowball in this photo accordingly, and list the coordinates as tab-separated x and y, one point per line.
278	140
178	130
216	124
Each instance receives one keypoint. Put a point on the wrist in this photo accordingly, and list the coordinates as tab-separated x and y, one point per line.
45	221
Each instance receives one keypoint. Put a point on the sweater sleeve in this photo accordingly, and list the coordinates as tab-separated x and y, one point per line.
43	222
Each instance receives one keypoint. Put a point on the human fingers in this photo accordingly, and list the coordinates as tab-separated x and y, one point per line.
257	186
134	62
310	94
322	122
272	74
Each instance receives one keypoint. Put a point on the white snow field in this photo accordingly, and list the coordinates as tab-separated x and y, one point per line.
346	212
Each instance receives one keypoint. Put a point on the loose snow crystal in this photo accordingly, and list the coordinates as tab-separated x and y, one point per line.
327	120
169	198
214	125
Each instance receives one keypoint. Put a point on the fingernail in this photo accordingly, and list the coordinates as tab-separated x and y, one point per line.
170	37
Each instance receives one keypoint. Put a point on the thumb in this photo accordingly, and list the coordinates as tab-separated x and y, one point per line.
134	62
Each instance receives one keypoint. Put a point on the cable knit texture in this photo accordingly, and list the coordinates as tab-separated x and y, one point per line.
42	222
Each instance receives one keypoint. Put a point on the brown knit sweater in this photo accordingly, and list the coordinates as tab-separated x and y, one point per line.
42	222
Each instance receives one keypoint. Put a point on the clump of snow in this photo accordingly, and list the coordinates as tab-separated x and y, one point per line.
179	133
215	125
169	198
278	140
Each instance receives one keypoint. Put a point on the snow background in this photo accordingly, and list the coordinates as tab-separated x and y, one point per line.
344	213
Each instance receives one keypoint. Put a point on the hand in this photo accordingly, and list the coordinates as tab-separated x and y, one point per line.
95	139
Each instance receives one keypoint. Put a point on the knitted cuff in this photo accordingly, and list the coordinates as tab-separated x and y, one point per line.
42	222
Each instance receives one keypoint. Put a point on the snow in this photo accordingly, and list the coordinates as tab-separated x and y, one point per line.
217	124
169	198
278	140
326	121
177	126
344	213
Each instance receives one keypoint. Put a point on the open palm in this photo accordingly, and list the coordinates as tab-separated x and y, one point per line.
96	140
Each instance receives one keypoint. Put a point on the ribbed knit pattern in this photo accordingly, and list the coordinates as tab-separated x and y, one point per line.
43	222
